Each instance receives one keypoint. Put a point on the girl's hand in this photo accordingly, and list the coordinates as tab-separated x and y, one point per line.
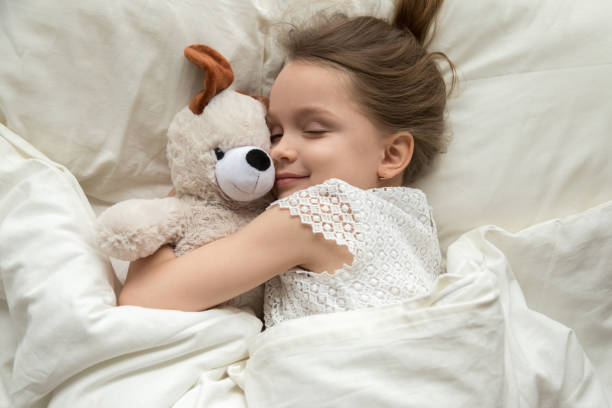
140	266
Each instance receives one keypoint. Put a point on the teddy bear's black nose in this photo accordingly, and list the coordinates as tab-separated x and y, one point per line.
258	159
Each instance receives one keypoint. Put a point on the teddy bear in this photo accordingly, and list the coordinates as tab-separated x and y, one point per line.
221	171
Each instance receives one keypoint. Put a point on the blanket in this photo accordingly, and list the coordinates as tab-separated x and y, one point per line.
472	342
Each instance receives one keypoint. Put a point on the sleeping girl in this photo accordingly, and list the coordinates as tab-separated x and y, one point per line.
356	115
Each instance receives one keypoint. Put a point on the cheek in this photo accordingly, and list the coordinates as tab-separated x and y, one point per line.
366	150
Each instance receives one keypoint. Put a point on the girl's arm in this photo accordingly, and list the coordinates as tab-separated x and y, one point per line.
272	243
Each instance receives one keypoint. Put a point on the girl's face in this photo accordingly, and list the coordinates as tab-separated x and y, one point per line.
319	132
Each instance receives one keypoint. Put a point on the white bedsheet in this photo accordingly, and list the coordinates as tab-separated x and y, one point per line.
473	342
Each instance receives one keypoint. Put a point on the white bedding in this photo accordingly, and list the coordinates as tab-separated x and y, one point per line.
522	199
473	342
94	86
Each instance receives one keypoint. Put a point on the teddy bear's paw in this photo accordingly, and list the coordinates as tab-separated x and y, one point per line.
127	245
135	229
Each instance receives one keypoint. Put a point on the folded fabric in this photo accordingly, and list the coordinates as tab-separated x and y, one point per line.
75	347
473	342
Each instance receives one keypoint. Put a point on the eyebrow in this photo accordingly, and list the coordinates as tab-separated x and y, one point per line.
307	110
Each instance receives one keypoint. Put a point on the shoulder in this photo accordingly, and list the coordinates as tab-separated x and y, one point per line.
403	197
330	210
312	217
407	207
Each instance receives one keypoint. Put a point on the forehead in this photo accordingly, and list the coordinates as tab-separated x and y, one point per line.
307	83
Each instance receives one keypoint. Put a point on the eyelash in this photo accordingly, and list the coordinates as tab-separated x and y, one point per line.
276	136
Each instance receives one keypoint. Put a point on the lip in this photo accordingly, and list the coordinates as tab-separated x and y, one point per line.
288	175
284	179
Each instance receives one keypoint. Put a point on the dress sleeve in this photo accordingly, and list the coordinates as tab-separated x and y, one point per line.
327	209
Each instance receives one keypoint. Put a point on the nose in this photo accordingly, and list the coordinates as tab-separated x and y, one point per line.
258	159
282	151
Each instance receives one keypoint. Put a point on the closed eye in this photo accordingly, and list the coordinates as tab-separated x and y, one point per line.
275	138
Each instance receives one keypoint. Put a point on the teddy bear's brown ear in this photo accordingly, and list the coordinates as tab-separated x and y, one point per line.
265	101
219	74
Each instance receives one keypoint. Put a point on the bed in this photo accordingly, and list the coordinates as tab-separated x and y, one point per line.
522	200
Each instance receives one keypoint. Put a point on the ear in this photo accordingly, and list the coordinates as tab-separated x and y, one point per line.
397	153
219	74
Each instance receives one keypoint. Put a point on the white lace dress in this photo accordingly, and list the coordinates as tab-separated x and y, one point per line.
389	231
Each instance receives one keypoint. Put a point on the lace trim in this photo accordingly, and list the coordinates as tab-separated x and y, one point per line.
326	209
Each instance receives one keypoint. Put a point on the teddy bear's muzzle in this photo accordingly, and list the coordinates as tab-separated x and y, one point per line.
245	173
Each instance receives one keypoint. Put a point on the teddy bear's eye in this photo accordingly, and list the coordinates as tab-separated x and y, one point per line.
219	153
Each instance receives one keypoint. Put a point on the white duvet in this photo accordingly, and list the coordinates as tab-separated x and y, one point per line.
473	343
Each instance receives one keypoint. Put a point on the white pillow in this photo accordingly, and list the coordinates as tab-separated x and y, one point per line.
531	121
95	85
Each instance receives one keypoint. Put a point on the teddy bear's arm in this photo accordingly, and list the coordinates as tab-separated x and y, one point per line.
134	229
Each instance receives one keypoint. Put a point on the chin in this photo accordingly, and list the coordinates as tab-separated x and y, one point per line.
288	190
284	193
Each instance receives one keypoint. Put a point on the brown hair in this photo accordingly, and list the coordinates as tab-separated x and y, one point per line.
394	78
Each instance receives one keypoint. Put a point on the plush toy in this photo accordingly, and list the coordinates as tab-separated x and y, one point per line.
221	172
